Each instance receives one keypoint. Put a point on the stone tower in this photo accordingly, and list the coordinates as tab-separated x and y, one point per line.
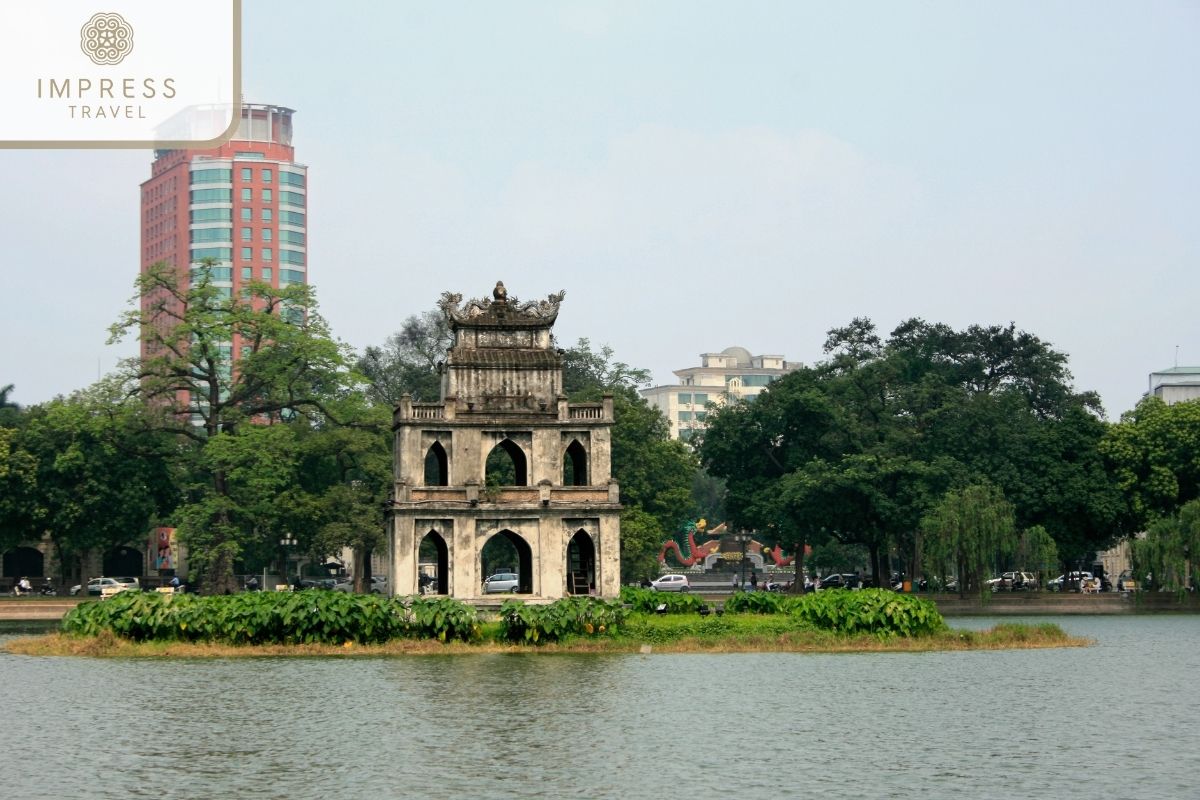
549	490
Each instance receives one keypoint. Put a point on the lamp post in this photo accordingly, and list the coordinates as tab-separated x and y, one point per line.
286	541
743	538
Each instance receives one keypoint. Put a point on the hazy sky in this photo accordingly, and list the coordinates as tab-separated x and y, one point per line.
694	175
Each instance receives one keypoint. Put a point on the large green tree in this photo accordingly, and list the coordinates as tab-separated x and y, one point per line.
407	363
860	445
969	529
91	474
287	367
1155	453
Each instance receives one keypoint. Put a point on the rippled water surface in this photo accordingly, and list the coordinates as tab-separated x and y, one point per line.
1114	720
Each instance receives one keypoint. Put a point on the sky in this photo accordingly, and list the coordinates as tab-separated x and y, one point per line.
695	175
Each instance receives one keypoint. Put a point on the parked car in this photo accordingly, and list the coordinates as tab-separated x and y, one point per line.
378	585
671	583
319	583
1072	582
501	582
1014	582
96	585
840	580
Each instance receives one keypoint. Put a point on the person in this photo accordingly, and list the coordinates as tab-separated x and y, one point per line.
252	584
753	581
24	586
175	583
735	582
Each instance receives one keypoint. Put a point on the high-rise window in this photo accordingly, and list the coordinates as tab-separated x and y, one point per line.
291	257
247	234
247	273
247	195
266	195
266	176
211	196
247	253
266	215
291	237
291	199
247	213
267	254
212	176
266	274
247	173
291	218
291	178
266	234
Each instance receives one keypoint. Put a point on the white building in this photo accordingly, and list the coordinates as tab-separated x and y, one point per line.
1175	385
730	374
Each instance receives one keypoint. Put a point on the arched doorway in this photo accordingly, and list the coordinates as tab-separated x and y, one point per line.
123	562
508	552
24	562
437	466
433	565
506	465
581	564
575	465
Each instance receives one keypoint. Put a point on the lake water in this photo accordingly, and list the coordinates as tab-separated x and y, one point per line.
1115	720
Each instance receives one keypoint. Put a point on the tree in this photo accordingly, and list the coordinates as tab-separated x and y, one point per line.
286	366
970	528
10	411
92	477
641	537
871	435
408	361
1170	551
586	371
1036	550
1155	453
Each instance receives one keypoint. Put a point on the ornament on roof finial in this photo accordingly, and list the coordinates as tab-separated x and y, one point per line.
500	293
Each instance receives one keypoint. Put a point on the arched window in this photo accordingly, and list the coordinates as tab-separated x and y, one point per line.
503	555
581	564
575	471
433	565
437	466
506	465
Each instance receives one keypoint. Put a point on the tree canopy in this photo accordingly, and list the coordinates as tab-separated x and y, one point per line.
859	446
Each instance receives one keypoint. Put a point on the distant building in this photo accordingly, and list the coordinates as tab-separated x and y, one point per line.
243	204
730	374
1175	385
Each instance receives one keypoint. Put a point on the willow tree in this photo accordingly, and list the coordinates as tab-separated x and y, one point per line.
1170	550
970	528
1037	551
215	364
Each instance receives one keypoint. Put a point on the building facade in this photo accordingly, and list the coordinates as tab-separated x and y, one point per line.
732	374
503	458
244	205
1175	385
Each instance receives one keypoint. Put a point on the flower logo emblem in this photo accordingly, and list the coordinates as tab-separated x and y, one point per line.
106	38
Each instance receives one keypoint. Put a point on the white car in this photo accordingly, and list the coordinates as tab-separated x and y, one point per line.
501	582
671	583
96	586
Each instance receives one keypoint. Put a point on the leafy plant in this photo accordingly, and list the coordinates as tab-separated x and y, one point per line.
571	616
877	611
648	600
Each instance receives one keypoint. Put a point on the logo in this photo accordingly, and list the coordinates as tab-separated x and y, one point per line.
106	38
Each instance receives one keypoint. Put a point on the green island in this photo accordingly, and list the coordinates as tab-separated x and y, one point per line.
312	623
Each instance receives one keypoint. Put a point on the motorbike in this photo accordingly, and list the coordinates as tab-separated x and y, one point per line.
48	590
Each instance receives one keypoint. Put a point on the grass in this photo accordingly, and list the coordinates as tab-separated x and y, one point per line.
740	633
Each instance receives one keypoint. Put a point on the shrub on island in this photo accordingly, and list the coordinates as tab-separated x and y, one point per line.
308	617
570	616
